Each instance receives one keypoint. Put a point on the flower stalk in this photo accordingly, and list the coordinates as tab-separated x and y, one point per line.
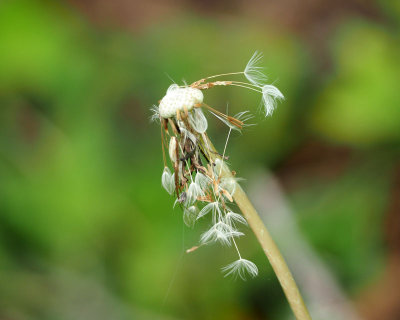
268	245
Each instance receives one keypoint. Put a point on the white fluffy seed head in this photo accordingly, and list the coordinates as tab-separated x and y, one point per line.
172	149
240	268
197	94
177	99
270	94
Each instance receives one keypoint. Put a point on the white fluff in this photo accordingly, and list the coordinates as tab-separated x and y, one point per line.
229	184
202	180
186	133
190	215
177	99
270	94
242	116
168	180
214	207
198	120
172	149
220	232
231	218
254	72
193	192
155	116
220	167
240	268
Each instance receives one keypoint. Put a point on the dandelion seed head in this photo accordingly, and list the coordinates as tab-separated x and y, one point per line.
240	268
196	94
172	87
270	94
202	180
177	99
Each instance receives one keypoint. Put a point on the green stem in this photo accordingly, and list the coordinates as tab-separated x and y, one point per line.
271	250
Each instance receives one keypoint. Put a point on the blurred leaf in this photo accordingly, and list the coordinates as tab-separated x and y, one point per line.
360	104
344	221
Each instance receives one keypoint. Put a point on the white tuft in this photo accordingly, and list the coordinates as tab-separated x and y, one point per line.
190	215
240	268
214	208
221	232
172	149
177	99
193	192
172	87
231	218
198	121
155	117
270	95
242	116
186	133
254	72
168	180
229	184
220	167
202	180
230	125
197	94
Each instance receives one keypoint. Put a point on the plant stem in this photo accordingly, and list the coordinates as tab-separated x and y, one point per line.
271	250
273	254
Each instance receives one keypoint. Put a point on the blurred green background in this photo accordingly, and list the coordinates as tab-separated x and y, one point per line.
87	232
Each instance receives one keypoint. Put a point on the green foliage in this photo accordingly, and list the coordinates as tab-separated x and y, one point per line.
81	207
359	104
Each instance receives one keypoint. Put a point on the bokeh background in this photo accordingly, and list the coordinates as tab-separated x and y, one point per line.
87	232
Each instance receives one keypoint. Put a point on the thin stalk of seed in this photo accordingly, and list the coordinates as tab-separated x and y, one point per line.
271	250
